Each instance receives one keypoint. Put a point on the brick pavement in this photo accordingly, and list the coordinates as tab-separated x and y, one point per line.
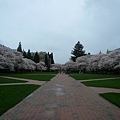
63	98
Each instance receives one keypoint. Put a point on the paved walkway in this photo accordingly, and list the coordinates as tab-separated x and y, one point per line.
63	98
105	90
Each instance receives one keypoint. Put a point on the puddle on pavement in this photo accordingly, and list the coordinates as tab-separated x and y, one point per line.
49	113
59	93
57	89
51	105
58	85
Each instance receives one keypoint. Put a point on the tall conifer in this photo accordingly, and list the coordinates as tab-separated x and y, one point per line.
77	51
36	58
19	49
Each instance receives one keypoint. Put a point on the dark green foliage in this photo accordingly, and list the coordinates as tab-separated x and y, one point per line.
48	54
36	58
29	54
19	49
77	51
12	95
46	59
112	97
24	54
51	58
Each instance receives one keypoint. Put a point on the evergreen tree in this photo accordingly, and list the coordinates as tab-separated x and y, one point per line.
19	49
77	51
36	58
107	51
29	54
51	58
48	54
100	52
24	54
47	61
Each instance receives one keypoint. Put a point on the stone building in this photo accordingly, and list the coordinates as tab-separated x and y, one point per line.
42	56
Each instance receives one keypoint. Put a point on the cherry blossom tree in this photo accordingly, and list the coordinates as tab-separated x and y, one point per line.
41	66
56	67
14	60
82	63
70	66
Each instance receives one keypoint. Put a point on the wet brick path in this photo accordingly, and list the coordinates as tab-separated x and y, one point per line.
63	98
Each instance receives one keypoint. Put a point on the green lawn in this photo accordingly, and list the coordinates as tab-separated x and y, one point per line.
6	80
114	83
92	76
40	77
11	95
112	97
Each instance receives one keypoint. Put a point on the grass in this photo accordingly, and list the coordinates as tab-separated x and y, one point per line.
48	73
91	76
114	83
33	76
11	95
112	97
6	80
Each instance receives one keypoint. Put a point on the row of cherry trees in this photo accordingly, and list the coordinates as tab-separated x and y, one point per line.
96	63
100	62
14	61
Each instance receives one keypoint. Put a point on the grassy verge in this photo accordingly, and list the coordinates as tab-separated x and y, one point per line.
42	73
112	97
114	83
92	76
6	80
11	95
40	77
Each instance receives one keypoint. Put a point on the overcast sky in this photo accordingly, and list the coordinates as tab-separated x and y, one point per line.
56	25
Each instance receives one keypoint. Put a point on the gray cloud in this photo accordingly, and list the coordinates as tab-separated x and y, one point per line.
56	25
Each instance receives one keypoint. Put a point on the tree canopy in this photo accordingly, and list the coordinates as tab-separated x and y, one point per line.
29	54
19	49
51	57
36	58
77	51
14	61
